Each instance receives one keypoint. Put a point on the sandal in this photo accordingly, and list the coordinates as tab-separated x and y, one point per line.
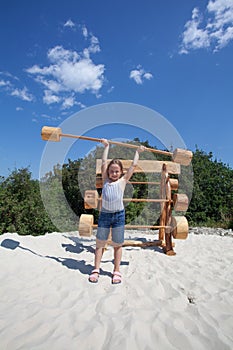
94	276
116	277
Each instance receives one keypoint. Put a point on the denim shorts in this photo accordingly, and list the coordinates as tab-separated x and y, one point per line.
114	220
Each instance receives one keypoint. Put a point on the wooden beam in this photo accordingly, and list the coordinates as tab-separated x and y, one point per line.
146	166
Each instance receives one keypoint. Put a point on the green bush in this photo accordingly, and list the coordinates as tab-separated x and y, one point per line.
22	209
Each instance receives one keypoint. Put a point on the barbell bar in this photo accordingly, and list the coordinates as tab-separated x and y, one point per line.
180	200
179	155
179	226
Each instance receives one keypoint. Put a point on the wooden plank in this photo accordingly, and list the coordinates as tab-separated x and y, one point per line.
99	182
137	243
146	166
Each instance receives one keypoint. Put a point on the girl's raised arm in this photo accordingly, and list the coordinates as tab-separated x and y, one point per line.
104	158
130	171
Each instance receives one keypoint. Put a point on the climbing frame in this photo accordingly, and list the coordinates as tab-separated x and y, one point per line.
170	200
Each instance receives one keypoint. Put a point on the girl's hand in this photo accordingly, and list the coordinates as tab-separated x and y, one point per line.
105	142
141	149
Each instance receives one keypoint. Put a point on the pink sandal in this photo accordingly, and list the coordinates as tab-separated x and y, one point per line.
94	276
116	277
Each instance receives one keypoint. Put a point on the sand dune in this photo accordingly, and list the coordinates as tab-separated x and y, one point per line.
165	303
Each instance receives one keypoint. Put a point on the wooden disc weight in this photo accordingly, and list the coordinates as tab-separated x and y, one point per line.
50	134
180	227
174	183
182	156
91	199
86	222
180	201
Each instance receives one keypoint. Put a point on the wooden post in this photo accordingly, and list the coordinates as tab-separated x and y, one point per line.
165	234
168	249
162	205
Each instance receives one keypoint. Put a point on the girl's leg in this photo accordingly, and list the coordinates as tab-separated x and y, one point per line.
117	258
98	257
116	276
94	276
118	237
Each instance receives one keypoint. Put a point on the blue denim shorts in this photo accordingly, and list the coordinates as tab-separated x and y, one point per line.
114	220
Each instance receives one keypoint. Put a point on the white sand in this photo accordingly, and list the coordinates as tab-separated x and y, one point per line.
180	302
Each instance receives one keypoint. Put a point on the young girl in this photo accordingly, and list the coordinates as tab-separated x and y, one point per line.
112	212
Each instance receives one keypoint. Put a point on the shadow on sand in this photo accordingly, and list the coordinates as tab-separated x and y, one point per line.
77	246
70	263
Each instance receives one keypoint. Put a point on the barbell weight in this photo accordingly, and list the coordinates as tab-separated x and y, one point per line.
86	222
179	226
180	156
91	199
180	201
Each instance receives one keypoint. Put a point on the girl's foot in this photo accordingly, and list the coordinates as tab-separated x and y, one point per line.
94	276
116	277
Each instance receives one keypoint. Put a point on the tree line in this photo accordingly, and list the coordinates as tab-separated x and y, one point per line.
30	206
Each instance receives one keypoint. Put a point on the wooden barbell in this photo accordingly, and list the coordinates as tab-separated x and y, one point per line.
180	200
179	155
173	183
179	226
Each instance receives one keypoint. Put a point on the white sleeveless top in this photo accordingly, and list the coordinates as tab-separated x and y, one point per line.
112	195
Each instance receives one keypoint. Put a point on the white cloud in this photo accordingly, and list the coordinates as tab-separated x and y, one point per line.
9	75
136	76
50	98
51	85
139	75
81	105
50	118
69	24
92	48
4	83
67	74
84	31
23	94
148	76
70	72
81	76
111	89
193	36
68	102
58	54
214	31
10	88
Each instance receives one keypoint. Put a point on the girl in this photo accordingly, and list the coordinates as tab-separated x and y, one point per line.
112	212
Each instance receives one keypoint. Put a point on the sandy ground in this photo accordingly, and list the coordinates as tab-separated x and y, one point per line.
165	303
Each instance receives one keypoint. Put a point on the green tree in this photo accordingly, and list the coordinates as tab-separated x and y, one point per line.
21	208
212	199
28	206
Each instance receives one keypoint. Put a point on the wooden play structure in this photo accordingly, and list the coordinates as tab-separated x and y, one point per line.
170	200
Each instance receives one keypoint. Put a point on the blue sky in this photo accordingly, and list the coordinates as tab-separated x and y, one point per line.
59	58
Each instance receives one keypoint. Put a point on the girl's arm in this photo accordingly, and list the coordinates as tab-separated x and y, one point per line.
104	158
130	171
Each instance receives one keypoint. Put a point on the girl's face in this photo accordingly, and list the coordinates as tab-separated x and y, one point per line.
114	172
